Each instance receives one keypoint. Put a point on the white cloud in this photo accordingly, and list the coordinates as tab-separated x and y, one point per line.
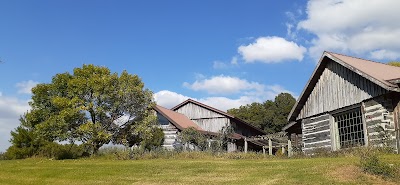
25	87
169	99
384	54
222	85
289	31
271	50
354	26
244	92
225	65
234	61
10	111
219	65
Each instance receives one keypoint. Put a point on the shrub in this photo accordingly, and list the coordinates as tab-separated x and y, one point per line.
60	152
14	152
193	137
371	164
155	141
279	153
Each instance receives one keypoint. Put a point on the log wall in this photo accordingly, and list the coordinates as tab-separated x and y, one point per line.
379	113
316	133
171	140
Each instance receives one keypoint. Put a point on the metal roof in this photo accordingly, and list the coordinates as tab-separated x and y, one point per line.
177	119
379	73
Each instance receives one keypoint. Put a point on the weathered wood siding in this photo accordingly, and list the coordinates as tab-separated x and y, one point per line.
316	133
379	113
206	119
338	87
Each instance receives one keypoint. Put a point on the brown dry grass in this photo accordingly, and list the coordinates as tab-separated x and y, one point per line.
353	175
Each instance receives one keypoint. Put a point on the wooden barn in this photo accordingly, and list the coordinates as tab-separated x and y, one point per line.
347	102
207	120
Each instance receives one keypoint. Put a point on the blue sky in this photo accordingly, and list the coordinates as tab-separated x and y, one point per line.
222	53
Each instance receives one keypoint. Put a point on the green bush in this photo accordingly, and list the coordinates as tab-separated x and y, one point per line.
371	164
155	141
14	152
48	150
195	138
60	152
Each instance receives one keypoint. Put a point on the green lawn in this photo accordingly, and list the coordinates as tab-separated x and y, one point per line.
189	171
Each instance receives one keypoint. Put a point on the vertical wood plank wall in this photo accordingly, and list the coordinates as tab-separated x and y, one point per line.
338	87
206	119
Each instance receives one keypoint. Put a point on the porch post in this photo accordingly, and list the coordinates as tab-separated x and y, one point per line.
245	145
270	146
289	142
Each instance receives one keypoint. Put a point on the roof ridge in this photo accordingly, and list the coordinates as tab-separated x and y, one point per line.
358	58
202	104
216	110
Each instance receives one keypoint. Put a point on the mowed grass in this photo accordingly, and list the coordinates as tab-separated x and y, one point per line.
190	171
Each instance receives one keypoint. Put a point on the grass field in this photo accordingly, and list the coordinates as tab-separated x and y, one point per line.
342	170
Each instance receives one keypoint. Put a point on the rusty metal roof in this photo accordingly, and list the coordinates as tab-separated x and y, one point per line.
177	119
182	122
382	72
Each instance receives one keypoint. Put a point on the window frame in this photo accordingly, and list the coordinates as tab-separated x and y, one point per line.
335	137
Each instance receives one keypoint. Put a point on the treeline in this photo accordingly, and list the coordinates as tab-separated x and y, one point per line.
270	116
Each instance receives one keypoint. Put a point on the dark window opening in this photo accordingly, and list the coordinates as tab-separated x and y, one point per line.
351	129
162	120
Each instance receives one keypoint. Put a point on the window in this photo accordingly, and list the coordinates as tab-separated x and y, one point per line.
350	128
162	120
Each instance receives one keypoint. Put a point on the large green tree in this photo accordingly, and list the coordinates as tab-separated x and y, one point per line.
269	116
93	106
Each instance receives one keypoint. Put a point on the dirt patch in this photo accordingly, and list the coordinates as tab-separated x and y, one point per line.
348	173
353	174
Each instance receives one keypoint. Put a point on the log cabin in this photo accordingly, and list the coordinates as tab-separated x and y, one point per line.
207	120
347	102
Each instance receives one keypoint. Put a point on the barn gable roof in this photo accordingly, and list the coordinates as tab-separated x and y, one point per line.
383	75
239	121
179	120
182	122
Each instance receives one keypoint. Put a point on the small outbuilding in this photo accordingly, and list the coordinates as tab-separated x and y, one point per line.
207	120
347	102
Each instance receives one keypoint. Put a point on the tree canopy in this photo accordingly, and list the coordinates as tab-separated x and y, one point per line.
394	63
93	106
269	116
